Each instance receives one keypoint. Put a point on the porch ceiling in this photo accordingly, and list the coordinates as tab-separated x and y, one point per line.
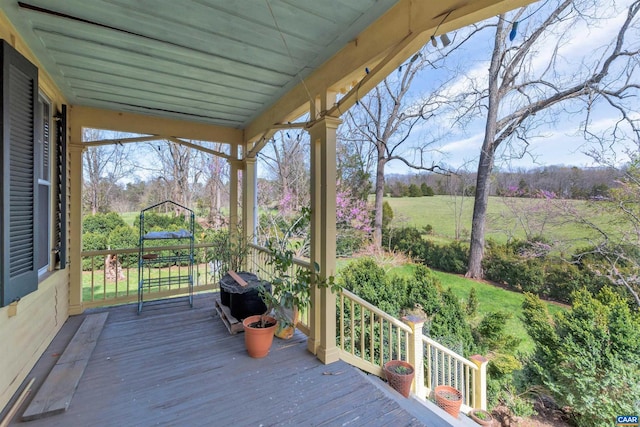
234	64
213	61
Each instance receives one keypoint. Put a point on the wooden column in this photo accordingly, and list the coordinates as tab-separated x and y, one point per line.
322	339
233	192
415	353
76	149
249	199
480	389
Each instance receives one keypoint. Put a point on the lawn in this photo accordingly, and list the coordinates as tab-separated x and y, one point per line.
536	216
129	217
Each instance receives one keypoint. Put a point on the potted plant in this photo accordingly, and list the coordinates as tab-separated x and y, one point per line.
399	375
258	334
290	286
481	417
449	399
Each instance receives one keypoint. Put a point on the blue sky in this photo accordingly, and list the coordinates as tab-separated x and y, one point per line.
558	141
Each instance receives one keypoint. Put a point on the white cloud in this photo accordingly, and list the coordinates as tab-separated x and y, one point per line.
471	144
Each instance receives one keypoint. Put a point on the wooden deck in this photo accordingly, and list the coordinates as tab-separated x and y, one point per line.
172	365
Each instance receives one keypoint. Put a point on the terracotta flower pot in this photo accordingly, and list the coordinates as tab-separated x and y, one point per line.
481	417
449	399
400	381
258	340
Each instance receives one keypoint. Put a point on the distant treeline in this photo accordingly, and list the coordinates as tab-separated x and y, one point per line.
561	181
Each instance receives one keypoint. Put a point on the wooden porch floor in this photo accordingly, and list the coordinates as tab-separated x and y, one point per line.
172	365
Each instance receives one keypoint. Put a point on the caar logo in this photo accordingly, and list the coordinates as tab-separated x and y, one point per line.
627	420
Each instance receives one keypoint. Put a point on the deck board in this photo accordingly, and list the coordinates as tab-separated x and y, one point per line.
180	366
55	394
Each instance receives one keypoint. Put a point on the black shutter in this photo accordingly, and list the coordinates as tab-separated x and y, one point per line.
61	189
19	273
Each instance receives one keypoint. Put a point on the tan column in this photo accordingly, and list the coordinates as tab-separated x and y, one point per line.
75	221
313	341
249	201
480	389
322	340
233	197
415	353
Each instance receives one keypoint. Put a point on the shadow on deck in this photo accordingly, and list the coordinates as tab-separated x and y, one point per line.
172	365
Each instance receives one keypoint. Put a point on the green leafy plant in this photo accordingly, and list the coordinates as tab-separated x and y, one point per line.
401	370
291	284
587	358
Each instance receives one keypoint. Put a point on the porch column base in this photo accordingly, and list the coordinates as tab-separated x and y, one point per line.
313	345
328	355
75	309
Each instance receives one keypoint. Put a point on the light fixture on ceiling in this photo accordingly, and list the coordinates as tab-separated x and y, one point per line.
444	38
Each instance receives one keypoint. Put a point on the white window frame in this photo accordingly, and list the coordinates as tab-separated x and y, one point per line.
44	177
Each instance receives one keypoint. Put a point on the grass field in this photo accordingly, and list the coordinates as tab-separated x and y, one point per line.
537	216
129	217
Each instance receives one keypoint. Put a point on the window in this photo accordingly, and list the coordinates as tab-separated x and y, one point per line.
34	181
19	186
43	150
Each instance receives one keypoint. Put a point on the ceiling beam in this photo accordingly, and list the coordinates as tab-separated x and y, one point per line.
89	117
395	37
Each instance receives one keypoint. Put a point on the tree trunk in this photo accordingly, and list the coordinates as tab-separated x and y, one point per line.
377	221
481	200
485	165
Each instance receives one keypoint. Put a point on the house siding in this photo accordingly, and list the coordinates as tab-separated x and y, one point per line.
39	315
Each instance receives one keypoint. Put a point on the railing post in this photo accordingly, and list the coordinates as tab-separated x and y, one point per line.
480	383
415	353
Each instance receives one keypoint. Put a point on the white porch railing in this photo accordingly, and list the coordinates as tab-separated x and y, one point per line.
368	337
117	283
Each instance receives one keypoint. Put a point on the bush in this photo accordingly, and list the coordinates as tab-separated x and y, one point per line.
93	242
164	222
366	279
588	357
503	264
124	237
491	336
424	291
405	239
102	223
349	241
450	324
452	258
472	303
387	215
393	294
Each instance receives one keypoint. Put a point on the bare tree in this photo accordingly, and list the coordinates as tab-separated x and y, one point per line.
103	167
457	184
179	170
215	172
519	89
384	119
284	159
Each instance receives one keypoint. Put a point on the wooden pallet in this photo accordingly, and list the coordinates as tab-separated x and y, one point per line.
233	325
